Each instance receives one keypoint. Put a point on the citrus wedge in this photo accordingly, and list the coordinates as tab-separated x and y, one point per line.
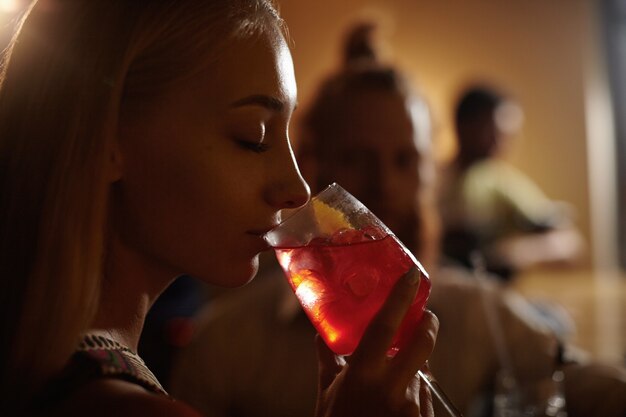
329	219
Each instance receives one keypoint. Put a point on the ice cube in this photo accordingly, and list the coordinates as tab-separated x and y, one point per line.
355	279
347	237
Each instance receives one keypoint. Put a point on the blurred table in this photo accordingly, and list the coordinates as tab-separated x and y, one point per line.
595	301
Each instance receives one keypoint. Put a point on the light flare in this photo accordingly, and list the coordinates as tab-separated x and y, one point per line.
307	292
310	293
9	6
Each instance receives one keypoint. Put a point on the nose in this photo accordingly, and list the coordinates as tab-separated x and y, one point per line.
289	190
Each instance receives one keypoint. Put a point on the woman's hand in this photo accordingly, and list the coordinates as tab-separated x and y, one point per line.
373	384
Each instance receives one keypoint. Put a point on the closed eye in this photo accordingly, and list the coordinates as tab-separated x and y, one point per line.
258	147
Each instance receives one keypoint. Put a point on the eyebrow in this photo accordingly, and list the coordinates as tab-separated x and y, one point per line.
269	102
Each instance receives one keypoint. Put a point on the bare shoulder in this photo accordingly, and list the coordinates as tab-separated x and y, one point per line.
112	397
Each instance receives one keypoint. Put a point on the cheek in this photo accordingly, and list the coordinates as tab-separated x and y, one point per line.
408	194
184	208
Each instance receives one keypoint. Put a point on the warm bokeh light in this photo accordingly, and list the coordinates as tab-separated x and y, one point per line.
9	6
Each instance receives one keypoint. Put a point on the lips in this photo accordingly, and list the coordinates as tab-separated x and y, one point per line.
259	234
263	231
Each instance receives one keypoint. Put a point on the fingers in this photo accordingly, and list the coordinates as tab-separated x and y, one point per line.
426	399
380	332
418	399
414	354
329	364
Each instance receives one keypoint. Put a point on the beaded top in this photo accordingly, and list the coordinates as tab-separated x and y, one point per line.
116	360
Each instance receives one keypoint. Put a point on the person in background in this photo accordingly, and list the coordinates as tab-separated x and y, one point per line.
368	131
489	208
139	141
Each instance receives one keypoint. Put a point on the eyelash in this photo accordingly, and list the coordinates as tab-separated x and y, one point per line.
257	147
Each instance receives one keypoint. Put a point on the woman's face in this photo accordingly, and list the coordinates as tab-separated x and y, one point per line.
207	165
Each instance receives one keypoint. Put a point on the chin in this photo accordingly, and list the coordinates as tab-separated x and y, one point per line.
253	268
233	276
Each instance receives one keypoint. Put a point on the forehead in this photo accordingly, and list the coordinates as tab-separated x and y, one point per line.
257	64
377	119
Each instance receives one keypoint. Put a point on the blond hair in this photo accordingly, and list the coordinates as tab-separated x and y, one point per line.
69	71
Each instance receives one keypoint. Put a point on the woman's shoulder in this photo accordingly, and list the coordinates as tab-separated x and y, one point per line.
107	397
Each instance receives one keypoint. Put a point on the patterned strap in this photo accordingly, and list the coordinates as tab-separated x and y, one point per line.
117	360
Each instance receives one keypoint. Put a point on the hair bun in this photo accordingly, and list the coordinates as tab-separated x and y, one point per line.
359	44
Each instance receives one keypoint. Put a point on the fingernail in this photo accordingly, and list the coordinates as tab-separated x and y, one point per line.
412	276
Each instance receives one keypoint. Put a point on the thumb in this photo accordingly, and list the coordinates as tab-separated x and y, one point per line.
329	364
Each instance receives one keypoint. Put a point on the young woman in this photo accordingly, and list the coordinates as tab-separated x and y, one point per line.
140	140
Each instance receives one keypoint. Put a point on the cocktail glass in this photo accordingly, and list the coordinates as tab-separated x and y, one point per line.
342	262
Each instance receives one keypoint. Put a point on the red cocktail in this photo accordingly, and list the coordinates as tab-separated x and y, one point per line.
342	263
342	284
